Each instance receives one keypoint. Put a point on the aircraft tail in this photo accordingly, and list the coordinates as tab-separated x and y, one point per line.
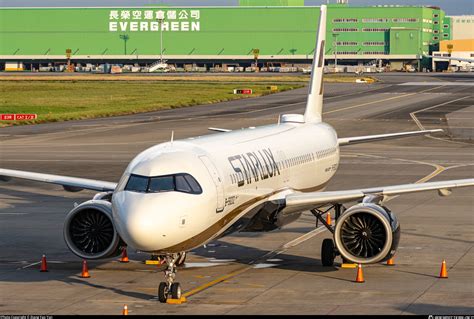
314	106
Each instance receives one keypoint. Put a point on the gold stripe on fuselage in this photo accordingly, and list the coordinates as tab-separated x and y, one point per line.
202	237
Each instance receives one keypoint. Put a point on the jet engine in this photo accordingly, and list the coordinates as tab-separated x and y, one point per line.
89	231
367	233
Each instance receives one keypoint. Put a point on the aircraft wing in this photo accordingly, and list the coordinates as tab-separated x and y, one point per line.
70	184
452	58
380	137
304	201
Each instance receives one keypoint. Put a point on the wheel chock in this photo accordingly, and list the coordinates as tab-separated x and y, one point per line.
176	301
348	265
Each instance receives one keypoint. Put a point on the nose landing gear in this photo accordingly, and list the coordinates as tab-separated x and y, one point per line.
169	288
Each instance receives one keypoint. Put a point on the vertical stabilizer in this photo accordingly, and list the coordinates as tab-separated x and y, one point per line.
314	106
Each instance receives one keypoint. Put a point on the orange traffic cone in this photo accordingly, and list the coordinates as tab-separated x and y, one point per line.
328	218
125	310
444	272
85	270
390	262
44	265
360	274
124	258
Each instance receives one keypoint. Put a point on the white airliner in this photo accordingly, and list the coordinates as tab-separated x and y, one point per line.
177	196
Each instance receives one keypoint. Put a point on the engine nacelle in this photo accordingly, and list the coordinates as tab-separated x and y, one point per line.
367	233
89	231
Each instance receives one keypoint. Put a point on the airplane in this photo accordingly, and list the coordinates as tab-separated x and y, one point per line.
176	196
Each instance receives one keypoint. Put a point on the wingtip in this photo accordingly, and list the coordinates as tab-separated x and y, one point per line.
435	130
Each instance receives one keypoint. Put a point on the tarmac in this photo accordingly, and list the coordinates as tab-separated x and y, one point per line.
277	272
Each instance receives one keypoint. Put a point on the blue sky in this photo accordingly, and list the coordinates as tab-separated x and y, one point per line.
451	7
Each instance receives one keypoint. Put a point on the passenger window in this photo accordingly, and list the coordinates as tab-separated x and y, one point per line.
161	184
137	183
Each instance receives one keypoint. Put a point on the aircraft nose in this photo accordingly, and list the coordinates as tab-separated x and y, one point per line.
138	221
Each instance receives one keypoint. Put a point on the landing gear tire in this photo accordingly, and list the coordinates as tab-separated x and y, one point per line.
176	291
163	292
181	259
169	289
328	252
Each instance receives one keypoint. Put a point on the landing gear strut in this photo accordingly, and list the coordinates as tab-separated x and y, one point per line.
328	249
169	288
181	259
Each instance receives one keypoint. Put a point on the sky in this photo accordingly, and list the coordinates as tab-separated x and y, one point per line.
451	7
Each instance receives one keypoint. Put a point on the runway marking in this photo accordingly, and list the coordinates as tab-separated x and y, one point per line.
378	101
251	264
421	127
437	83
458	166
39	262
418	123
27	266
438	170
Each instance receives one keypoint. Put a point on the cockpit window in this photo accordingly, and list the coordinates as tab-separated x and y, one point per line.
137	183
161	184
182	185
168	183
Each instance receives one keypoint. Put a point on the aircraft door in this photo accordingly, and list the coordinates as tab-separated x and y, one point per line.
218	181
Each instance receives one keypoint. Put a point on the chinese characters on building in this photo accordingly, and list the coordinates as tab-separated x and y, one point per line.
153	20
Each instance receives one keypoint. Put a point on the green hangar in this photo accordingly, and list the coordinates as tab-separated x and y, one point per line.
273	31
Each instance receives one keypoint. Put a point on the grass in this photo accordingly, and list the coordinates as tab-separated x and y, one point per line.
171	77
72	100
83	96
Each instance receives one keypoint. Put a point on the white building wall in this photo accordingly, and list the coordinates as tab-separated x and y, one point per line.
462	27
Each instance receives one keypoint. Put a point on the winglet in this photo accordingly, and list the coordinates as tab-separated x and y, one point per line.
314	106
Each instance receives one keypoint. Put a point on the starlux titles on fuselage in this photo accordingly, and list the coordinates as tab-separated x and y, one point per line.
257	165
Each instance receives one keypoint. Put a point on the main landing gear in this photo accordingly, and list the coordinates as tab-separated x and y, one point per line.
169	288
328	249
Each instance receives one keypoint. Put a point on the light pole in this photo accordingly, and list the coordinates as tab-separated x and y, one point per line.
335	51
125	38
160	17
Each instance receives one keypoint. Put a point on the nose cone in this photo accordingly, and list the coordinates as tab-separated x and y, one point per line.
138	220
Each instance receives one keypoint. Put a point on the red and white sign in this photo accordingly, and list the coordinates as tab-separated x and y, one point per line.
242	91
18	117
